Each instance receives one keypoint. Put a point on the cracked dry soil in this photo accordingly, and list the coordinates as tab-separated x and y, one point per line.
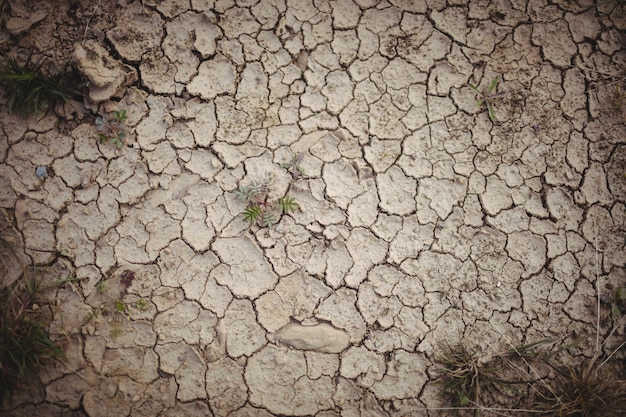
420	220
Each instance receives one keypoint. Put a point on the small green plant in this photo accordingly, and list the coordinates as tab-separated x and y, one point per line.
116	330
24	339
92	315
30	88
260	208
120	307
488	97
112	129
100	286
294	167
141	304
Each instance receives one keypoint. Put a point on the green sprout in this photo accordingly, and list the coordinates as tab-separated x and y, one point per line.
260	208
112	129
294	167
30	88
488	97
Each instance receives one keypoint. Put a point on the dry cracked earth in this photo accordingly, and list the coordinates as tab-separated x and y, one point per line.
420	220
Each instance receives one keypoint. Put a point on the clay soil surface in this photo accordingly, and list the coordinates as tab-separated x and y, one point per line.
420	221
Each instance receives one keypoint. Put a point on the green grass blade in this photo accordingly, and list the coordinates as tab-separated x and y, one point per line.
491	111
493	85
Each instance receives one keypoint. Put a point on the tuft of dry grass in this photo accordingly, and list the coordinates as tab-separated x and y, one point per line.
587	390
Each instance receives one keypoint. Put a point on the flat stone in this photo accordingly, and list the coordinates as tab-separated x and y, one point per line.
320	337
106	75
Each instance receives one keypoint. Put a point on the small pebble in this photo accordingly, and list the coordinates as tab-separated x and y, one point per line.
41	172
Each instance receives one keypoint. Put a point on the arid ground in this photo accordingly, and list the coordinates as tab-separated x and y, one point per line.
422	220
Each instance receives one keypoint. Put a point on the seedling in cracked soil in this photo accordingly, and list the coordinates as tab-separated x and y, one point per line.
260	208
294	167
30	88
112	129
488	97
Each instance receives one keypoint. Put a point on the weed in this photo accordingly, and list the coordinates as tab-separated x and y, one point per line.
116	330
141	304
112	129
91	316
260	208
126	279
30	88
488	97
24	339
120	307
100	286
473	381
587	390
294	167
618	100
618	305
463	377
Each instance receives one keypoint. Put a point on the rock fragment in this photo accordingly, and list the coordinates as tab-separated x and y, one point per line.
320	338
107	76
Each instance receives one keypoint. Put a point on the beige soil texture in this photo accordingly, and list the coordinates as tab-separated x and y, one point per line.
420	222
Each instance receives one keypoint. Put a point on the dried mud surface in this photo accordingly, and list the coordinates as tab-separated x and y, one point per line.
420	220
